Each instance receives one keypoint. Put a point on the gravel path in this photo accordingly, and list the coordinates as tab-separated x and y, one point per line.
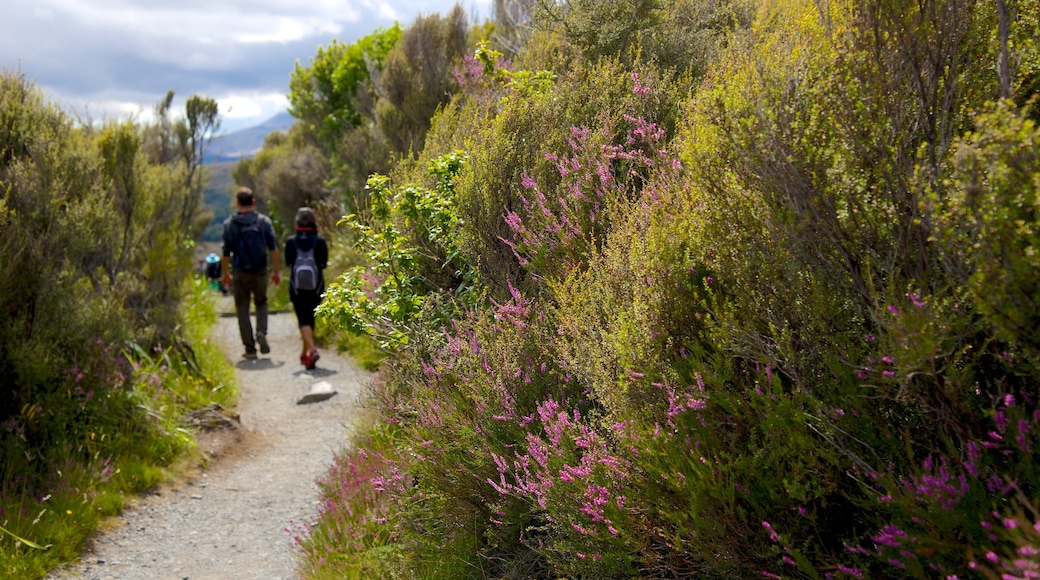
228	521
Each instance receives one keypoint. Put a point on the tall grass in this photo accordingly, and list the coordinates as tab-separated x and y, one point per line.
114	428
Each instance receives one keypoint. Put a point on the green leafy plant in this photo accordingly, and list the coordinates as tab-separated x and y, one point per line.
409	238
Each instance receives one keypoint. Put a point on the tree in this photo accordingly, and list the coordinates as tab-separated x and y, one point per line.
328	94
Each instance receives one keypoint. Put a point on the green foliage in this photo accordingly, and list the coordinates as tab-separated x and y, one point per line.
417	78
113	428
991	222
365	103
682	36
96	238
780	323
326	93
410	243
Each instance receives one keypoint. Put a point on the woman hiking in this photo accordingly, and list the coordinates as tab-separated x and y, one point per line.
307	255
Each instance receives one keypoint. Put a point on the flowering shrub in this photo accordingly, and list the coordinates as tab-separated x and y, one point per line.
356	498
789	339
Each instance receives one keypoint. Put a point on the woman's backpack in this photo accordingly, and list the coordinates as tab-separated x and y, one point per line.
305	270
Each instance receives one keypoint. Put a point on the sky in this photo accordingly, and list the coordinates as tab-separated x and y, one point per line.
115	59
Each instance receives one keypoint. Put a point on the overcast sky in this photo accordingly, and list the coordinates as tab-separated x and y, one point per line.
114	58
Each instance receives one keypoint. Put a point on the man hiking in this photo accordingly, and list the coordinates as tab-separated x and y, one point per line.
248	239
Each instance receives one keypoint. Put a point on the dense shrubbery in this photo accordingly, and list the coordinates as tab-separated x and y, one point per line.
775	321
95	363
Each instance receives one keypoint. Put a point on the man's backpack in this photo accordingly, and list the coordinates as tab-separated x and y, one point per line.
250	254
305	270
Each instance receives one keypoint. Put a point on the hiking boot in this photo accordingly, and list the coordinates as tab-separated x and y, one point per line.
249	354
261	339
312	358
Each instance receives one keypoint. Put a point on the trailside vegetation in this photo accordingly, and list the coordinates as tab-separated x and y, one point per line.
750	292
102	331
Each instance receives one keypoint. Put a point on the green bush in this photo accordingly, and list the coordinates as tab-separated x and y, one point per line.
793	339
94	260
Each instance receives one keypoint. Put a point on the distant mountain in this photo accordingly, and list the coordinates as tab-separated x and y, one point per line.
245	142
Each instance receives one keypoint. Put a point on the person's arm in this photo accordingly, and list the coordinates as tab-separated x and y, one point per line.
290	252
225	270
322	254
276	268
225	260
272	248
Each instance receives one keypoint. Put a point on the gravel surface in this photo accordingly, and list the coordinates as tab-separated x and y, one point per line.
228	520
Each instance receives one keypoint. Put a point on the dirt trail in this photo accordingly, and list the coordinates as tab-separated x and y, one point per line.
228	521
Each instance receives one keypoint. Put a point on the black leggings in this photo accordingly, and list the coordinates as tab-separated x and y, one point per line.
304	302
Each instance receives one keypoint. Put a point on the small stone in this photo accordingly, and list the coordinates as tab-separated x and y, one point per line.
196	496
319	391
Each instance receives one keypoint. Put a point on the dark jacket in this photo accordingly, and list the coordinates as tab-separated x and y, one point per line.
235	222
305	241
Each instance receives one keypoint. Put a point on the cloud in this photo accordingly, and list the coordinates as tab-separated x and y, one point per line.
103	58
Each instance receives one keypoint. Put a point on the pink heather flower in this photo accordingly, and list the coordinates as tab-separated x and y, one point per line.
854	572
857	550
916	300
890	536
773	536
696	404
1009	400
992	557
893	310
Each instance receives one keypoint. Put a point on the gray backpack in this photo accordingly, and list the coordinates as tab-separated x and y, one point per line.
305	270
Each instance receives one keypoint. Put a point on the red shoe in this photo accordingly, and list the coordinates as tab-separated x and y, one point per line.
312	358
303	359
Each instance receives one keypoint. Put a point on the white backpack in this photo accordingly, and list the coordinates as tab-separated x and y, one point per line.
305	270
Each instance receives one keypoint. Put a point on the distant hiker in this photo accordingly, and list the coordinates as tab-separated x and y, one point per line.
306	254
214	273
248	237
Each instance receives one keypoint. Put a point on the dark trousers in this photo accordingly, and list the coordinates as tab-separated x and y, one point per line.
243	286
304	302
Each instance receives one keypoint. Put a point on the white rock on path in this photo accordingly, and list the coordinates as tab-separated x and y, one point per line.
320	391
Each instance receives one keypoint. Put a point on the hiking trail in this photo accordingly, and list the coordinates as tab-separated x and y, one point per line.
227	519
